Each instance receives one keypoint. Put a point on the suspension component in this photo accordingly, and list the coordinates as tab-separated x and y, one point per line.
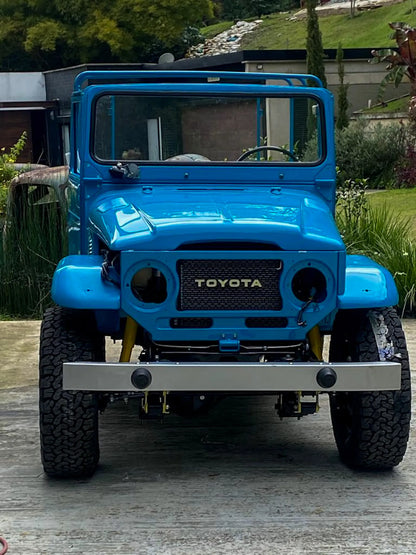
129	339
316	342
154	405
297	404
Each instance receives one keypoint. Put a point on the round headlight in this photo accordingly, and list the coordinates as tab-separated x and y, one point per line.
309	284
149	285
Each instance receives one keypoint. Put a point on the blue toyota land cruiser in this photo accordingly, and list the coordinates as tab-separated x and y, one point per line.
201	228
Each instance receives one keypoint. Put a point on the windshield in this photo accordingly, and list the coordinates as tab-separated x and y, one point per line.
201	129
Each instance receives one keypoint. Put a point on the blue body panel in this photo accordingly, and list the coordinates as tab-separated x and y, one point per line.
367	285
166	217
77	283
155	317
142	76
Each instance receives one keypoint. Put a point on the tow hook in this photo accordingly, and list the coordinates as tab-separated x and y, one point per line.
326	377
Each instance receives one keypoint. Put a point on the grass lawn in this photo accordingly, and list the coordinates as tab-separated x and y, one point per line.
367	29
212	30
398	105
402	201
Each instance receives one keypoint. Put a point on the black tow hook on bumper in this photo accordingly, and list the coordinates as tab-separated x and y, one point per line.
326	377
141	378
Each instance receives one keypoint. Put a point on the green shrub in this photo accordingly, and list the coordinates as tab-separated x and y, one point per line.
351	201
406	168
7	171
371	154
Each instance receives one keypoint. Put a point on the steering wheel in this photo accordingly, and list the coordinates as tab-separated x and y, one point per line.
260	148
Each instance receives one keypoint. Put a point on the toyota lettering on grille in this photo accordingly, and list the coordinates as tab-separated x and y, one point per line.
234	282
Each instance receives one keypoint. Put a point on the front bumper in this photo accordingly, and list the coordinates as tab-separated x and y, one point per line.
230	377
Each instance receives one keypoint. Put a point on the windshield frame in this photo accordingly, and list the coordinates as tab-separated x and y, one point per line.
288	93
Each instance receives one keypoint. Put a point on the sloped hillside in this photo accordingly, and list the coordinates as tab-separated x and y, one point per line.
369	28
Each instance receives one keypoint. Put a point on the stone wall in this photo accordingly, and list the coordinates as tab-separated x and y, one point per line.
207	133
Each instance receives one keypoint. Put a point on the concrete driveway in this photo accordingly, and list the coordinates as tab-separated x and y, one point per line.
238	480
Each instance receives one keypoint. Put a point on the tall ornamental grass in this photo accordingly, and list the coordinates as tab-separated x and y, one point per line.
382	235
33	241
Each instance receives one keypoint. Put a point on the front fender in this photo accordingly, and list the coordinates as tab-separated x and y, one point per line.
367	285
77	283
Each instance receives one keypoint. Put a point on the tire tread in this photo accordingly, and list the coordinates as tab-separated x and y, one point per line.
68	420
380	421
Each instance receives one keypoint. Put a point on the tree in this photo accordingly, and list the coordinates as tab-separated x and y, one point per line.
342	117
167	19
401	62
45	34
240	9
314	49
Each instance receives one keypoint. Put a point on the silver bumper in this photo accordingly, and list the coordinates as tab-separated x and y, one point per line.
230	377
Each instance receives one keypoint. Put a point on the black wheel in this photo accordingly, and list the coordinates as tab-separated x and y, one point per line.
371	429
68	420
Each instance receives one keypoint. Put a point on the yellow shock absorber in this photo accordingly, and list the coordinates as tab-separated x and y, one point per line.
316	342
129	339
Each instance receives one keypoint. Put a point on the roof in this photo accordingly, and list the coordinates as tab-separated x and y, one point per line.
228	62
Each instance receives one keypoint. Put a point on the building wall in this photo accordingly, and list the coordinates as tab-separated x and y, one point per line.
373	121
23	107
60	82
22	87
207	129
12	124
59	85
362	77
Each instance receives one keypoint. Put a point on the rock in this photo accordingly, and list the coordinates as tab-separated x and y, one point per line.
225	42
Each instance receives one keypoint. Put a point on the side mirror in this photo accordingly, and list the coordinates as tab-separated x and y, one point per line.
127	170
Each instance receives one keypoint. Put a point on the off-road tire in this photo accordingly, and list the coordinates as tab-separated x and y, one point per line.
371	429
68	420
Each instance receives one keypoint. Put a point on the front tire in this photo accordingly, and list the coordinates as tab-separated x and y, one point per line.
68	420
371	429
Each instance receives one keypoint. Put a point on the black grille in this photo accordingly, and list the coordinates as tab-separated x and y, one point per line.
229	284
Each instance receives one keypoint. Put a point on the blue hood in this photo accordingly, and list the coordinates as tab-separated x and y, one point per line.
165	218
